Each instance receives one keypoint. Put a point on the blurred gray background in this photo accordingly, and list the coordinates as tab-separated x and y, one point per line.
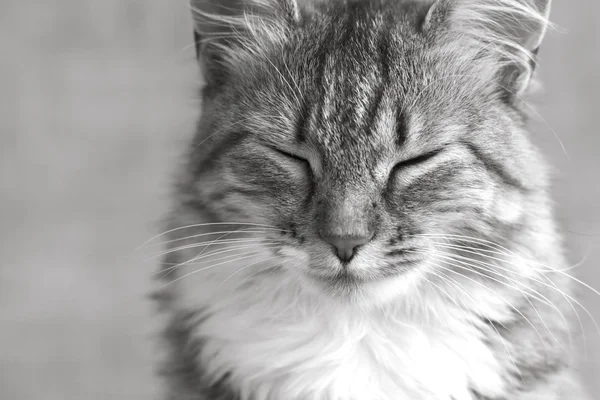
97	99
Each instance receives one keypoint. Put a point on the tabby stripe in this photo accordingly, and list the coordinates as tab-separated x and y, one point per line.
495	168
322	55
347	114
401	127
302	121
384	64
227	141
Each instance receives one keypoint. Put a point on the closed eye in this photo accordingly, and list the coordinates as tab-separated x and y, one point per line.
416	160
290	155
303	162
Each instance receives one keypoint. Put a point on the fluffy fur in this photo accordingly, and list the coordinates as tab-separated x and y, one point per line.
397	122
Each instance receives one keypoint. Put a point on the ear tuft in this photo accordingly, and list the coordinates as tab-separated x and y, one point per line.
229	31
511	29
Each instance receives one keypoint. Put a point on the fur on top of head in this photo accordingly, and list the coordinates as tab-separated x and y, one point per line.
508	31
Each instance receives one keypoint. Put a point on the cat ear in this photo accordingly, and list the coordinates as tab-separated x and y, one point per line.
227	31
514	29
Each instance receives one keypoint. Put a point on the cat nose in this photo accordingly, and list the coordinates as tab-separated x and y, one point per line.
345	246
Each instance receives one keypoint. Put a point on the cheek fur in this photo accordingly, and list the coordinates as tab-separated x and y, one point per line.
266	175
263	186
508	206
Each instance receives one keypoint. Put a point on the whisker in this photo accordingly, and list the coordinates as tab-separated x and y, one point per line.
504	250
492	268
217	251
207	268
476	251
244	268
204	225
498	296
466	239
272	267
435	313
570	299
425	309
456	285
481	252
220	240
240	231
526	295
191	262
205	245
194	260
578	281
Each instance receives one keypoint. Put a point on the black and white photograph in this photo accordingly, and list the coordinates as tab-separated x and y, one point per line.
299	200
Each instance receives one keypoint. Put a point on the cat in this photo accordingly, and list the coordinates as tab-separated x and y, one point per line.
361	214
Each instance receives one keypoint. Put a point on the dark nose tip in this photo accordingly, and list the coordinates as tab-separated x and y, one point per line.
345	246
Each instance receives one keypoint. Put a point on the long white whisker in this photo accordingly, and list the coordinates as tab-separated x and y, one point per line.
456	285
191	262
473	250
221	250
244	268
492	268
485	252
220	240
204	225
498	296
425	313
206	245
240	231
570	299
194	260
209	267
496	245
272	267
536	295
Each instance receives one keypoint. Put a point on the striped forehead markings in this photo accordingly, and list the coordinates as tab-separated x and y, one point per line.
354	88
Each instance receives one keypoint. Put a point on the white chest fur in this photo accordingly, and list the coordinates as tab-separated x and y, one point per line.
284	344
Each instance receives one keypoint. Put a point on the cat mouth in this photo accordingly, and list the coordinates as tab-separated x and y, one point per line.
351	282
345	279
353	276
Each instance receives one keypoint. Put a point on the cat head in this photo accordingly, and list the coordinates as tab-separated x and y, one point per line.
368	138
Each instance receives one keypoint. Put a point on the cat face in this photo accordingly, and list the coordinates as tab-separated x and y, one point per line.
367	138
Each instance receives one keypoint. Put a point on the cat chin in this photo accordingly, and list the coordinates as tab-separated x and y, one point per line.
364	293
